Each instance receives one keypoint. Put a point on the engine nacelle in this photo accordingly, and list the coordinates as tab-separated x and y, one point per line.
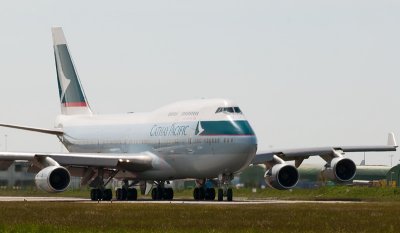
282	176
340	170
53	179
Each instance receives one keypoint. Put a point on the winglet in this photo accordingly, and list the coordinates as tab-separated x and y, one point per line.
392	140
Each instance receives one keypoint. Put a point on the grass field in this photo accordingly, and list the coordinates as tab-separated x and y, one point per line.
379	211
119	217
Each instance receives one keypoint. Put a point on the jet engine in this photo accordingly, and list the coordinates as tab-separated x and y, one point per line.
53	179
340	170
282	176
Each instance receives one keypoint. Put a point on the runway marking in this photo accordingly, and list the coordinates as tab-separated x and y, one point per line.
177	201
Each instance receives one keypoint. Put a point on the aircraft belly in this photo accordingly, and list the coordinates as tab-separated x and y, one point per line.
209	162
191	157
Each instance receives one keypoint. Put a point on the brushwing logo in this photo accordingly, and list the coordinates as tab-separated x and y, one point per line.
64	84
71	93
199	129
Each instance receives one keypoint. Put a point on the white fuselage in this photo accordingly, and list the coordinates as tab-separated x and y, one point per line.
188	139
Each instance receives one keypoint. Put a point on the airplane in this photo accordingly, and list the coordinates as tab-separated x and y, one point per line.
208	140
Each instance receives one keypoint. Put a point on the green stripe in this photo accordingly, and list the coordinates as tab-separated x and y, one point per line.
226	128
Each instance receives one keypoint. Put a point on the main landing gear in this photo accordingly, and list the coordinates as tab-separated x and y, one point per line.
204	192
100	193
126	193
161	192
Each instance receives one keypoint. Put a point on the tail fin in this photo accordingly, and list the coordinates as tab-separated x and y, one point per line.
72	96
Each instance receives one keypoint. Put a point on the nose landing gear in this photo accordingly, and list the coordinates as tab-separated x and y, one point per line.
224	190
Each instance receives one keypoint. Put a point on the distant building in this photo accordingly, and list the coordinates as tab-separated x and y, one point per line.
17	176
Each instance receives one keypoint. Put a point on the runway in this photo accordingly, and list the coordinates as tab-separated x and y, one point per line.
177	201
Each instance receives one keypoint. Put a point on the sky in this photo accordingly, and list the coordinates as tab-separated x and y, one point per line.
306	73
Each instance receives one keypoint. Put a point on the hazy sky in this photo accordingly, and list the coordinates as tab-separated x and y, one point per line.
306	73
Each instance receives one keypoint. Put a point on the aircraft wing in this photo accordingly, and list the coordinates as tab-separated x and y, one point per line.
131	162
300	154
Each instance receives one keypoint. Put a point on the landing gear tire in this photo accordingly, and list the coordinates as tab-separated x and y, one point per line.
107	195
131	194
121	194
210	194
229	194
162	194
168	194
220	195
202	194
100	195
199	194
196	194
93	195
156	194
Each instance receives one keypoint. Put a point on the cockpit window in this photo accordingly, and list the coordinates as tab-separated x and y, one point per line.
237	110
229	110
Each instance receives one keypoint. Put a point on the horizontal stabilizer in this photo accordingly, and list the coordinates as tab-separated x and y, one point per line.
57	132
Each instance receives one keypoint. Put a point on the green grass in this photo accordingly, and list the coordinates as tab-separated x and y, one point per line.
379	213
119	217
323	193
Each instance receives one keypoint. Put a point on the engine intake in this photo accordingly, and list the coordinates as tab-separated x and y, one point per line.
341	170
53	179
282	176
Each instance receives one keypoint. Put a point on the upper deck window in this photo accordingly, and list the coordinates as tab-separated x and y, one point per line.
229	110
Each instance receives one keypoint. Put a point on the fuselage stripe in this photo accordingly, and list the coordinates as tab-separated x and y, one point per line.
75	104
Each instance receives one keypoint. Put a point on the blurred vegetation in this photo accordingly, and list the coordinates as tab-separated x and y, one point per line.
252	176
121	217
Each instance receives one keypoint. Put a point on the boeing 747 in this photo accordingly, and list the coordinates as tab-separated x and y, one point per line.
204	139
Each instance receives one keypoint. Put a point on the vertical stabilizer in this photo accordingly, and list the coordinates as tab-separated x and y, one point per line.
72	97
